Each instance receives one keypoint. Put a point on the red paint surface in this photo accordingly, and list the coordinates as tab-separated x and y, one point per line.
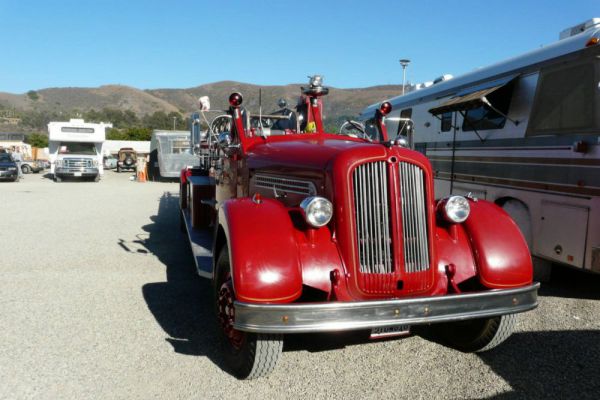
263	250
499	249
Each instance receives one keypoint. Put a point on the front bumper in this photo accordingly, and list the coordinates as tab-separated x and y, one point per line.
337	316
9	174
77	171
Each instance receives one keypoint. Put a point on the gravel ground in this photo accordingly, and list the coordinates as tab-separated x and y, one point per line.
99	299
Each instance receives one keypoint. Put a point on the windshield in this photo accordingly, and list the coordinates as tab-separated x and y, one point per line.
77	148
4	157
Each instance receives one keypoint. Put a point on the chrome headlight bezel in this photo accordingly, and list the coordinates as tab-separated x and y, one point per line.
317	211
455	209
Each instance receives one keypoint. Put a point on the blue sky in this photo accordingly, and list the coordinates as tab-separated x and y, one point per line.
160	44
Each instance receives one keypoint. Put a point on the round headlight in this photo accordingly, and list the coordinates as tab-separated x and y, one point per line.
456	209
317	210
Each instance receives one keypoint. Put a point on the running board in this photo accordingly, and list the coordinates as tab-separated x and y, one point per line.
201	242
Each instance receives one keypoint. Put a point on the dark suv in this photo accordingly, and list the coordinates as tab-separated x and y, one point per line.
126	159
8	168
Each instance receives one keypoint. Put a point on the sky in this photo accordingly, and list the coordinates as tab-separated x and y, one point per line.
180	44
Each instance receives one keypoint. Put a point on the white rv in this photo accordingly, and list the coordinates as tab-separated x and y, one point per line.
524	133
75	149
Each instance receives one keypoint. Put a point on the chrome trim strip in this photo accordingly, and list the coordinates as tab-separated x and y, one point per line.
372	215
287	185
414	217
337	316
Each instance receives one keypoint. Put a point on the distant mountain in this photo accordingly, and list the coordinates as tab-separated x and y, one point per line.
339	103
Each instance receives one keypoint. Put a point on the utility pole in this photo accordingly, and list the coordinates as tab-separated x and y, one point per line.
404	62
174	120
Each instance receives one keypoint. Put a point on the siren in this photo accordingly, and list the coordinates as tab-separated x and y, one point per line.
235	100
385	108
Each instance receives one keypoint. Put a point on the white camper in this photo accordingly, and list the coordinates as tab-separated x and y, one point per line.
524	133
75	149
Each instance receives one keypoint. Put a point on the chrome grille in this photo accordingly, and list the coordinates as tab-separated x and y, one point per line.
77	163
414	217
371	199
285	185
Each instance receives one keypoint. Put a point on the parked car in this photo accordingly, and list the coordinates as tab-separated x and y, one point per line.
29	166
110	162
126	159
8	168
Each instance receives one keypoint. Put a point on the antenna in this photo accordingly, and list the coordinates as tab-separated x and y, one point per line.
260	110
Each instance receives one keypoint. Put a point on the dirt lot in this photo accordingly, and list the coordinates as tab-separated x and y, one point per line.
99	299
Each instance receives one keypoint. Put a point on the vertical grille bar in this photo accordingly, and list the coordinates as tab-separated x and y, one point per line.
372	202
414	218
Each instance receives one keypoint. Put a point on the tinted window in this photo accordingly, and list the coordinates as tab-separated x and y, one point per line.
407	113
565	99
76	130
446	120
483	117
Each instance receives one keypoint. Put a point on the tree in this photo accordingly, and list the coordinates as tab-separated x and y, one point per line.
37	140
33	95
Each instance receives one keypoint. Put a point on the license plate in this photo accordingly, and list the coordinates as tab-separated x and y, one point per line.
76	173
390	331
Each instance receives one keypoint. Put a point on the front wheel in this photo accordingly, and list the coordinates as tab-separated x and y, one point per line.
476	335
248	355
26	169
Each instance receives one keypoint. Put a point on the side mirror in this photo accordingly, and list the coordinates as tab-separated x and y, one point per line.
225	143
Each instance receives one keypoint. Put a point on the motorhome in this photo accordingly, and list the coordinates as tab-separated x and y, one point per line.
525	134
75	149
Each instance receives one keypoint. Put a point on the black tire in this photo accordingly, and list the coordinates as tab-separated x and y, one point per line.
26	169
248	355
118	169
476	335
57	179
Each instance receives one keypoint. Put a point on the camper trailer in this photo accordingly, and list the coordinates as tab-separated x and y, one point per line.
170	152
75	149
525	134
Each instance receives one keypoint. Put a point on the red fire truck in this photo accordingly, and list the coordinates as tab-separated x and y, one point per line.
304	231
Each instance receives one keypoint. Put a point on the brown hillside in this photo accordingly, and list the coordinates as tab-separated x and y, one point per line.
340	102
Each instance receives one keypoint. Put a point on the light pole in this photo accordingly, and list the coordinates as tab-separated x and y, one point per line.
174	121
404	62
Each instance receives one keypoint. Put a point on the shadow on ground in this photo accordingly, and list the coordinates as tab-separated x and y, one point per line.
182	304
572	283
548	365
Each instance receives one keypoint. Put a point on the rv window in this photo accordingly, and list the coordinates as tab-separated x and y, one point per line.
446	120
73	129
402	127
77	148
564	100
483	117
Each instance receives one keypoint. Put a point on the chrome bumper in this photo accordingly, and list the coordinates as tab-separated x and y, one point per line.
71	171
337	316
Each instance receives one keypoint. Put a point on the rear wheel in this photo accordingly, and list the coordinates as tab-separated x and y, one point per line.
476	335
26	169
248	355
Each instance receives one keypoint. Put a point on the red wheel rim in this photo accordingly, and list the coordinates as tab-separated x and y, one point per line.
227	315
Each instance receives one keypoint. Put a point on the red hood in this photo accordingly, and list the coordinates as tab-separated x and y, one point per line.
317	152
304	152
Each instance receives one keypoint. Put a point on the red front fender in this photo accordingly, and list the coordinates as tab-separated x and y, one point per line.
264	256
500	251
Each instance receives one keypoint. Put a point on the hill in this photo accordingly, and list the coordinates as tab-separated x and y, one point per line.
340	103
